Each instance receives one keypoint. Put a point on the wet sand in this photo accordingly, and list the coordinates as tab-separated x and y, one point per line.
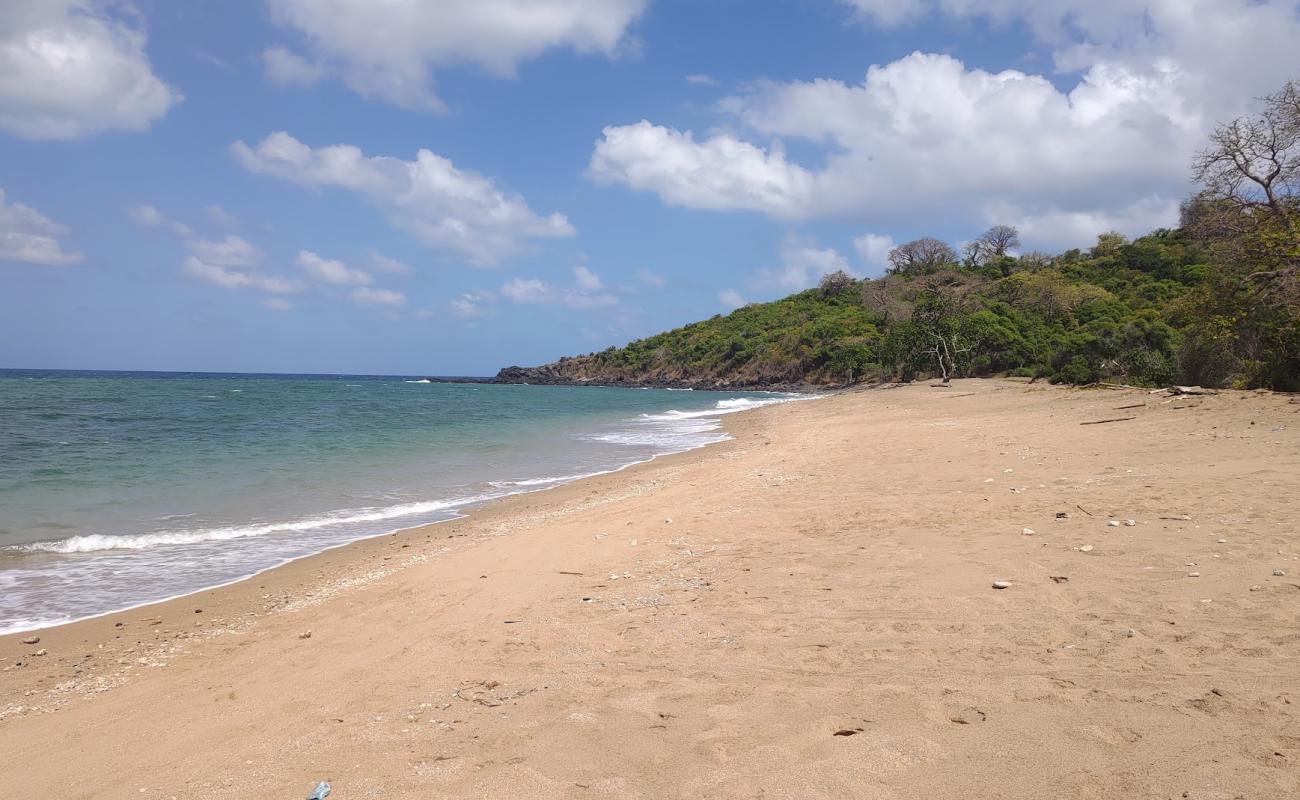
806	611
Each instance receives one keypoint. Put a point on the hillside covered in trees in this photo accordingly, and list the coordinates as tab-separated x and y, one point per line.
1215	302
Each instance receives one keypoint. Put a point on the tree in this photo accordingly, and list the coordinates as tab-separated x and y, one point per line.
1248	219
1253	163
921	257
992	247
832	283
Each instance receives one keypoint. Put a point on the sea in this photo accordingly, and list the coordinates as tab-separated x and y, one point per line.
119	489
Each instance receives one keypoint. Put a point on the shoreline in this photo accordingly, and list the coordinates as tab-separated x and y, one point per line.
805	610
288	575
460	509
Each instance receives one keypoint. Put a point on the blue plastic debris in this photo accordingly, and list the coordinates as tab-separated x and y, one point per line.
321	791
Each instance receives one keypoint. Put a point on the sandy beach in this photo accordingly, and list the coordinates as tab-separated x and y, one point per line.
805	611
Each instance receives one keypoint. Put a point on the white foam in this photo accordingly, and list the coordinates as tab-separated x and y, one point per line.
100	542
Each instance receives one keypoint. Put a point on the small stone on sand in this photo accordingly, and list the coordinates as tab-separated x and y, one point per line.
1193	574
1001	584
1027	531
1279	573
1114	523
32	640
1129	523
305	635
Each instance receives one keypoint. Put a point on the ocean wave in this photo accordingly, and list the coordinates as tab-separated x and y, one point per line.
97	542
545	481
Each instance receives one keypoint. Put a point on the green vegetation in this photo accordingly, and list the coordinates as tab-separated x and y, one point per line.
1215	302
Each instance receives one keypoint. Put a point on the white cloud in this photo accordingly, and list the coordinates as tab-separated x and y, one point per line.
232	251
731	299
927	134
327	270
286	68
473	305
277	304
586	279
700	79
29	236
233	263
587	291
803	265
718	174
651	279
226	278
147	216
365	296
383	263
1061	230
451	210
873	249
389	50
527	290
72	68
220	216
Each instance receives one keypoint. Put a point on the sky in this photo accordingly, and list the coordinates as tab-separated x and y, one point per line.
452	186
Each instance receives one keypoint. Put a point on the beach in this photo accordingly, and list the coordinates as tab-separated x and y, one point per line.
807	610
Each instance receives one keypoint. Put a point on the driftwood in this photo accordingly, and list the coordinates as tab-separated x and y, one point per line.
1135	405
1177	390
1104	421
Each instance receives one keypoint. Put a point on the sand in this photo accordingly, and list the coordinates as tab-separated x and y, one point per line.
806	611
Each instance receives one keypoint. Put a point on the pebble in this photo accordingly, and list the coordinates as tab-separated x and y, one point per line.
1131	633
1279	573
41	652
1001	584
1114	523
1193	574
1129	523
32	640
1027	531
1087	548
1223	541
305	635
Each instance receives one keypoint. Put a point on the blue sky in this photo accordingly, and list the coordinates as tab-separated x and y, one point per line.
452	186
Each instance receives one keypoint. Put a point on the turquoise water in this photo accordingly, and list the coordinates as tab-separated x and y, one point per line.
118	489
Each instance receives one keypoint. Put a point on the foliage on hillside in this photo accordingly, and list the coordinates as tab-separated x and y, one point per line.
1215	302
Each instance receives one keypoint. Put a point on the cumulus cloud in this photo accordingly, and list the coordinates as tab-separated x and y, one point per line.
231	251
587	291
29	236
147	216
328	270
451	210
929	134
587	280
651	279
721	173
388	51
286	68
803	264
383	263
700	79
731	299
473	305
219	216
527	290
366	296
873	249
233	263
227	278
72	68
